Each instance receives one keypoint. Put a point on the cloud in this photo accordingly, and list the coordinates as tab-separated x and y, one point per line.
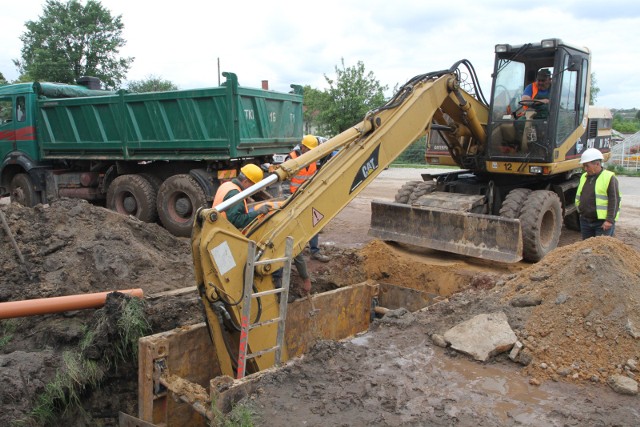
287	42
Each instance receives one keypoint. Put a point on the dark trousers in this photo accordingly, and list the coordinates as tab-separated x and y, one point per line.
314	244
594	228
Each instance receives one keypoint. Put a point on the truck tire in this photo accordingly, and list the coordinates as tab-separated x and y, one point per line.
512	204
179	197
572	221
403	194
23	191
133	195
154	180
541	221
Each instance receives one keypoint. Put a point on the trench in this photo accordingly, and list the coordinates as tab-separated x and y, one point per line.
352	290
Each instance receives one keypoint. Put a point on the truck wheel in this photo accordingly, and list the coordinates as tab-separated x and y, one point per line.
512	204
572	221
541	221
403	194
23	191
133	195
179	198
154	180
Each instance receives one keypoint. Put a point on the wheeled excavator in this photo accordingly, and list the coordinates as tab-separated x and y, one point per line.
516	180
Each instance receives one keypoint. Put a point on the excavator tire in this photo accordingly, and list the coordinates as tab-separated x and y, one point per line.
541	222
512	204
403	194
420	190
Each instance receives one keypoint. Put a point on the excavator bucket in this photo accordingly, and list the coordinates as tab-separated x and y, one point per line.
477	235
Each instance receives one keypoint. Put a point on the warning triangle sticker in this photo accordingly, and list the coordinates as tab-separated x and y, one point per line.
317	216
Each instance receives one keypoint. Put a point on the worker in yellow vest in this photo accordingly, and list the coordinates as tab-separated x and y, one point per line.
598	196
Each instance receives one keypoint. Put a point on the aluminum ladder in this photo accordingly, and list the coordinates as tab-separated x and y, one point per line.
248	296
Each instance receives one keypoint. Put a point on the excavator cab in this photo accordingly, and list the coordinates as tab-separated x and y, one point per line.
532	130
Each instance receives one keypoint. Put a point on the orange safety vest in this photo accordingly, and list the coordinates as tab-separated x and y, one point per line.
222	192
302	175
534	92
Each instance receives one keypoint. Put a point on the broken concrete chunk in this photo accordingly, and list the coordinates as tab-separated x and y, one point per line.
623	385
483	336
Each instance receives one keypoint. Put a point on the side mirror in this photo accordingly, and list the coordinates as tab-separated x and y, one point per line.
574	63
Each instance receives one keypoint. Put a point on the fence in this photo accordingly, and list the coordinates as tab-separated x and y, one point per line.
626	153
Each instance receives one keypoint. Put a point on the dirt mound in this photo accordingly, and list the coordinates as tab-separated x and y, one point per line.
73	247
587	323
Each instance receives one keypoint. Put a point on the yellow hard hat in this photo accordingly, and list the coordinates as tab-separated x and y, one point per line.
310	141
253	172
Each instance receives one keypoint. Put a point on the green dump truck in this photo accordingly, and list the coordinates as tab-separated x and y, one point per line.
156	156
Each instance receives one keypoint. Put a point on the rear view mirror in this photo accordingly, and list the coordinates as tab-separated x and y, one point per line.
574	63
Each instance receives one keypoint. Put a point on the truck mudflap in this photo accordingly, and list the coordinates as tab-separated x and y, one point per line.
477	235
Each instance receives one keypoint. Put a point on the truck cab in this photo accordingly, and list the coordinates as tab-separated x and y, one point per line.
18	146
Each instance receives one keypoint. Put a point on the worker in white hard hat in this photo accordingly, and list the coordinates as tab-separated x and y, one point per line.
598	196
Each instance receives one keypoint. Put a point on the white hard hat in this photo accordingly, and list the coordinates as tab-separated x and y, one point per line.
591	154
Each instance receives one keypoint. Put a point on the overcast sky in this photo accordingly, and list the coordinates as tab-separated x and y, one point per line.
299	42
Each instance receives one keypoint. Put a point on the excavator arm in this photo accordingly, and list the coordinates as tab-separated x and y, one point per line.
220	250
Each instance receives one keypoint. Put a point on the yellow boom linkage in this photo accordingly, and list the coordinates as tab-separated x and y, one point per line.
220	250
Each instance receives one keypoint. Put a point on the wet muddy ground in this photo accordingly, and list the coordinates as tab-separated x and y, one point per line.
392	375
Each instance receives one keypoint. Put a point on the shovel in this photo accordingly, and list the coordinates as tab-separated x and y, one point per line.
7	230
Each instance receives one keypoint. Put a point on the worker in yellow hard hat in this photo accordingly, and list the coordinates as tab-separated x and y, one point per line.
239	214
309	142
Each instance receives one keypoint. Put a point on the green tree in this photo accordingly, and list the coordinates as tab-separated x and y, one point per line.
151	84
2	79
351	94
71	40
593	95
314	101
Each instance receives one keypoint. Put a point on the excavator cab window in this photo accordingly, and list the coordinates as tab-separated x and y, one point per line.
519	127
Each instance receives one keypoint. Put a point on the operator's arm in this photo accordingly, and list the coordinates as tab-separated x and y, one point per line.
236	214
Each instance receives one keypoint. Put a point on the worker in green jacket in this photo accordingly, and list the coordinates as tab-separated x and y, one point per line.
598	197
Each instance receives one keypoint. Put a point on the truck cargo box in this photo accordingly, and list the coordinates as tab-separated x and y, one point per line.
219	123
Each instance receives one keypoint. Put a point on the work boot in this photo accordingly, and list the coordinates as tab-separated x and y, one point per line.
320	257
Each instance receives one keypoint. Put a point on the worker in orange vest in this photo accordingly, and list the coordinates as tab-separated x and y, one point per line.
308	143
238	214
540	90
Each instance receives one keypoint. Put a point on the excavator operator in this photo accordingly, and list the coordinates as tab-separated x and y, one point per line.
540	90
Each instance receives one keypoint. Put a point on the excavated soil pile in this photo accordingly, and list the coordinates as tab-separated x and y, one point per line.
587	324
73	247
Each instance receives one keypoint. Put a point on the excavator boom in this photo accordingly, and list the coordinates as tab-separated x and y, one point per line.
220	250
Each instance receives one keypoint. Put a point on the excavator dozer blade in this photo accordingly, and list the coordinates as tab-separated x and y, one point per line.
481	236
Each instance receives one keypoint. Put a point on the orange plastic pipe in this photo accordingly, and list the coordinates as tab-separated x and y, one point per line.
32	307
